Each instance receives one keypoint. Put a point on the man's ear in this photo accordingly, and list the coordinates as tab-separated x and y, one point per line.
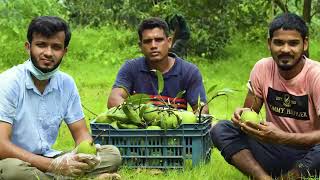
170	41
306	43
65	50
27	46
269	43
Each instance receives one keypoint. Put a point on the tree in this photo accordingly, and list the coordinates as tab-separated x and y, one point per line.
309	7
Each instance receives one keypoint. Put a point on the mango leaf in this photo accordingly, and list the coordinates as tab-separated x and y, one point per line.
180	94
143	108
222	92
212	88
138	99
227	91
160	81
198	103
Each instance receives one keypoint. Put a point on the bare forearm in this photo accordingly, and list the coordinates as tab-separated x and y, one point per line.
79	131
117	97
9	150
302	139
115	101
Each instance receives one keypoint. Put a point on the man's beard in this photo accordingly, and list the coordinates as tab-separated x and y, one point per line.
285	67
44	70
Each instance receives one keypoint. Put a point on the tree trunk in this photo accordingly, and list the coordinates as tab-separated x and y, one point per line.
307	11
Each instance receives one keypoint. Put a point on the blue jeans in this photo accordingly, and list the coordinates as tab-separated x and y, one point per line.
275	159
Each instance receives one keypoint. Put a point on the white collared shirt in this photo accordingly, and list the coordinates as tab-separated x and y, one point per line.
36	117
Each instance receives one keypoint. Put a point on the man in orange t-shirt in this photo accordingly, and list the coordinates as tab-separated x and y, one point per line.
286	145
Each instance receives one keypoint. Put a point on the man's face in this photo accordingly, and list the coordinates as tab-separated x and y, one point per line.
46	52
287	48
154	44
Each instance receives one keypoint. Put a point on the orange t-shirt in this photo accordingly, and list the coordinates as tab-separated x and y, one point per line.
292	105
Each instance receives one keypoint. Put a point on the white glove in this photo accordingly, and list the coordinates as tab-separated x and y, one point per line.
69	164
90	159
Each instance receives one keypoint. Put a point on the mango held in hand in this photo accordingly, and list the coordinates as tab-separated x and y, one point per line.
87	147
250	115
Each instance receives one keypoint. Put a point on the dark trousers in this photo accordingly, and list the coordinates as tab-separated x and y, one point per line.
275	159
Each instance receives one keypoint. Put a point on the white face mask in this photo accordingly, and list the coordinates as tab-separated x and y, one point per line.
39	74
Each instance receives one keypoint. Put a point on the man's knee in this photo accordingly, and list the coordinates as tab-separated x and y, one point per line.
310	163
219	130
110	157
14	169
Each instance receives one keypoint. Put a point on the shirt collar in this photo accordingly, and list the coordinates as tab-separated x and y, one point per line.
172	72
53	83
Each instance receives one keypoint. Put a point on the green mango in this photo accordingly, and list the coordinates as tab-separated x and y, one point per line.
86	147
186	117
127	126
151	114
103	118
168	120
250	115
154	128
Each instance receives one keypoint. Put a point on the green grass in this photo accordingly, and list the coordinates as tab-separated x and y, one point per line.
95	57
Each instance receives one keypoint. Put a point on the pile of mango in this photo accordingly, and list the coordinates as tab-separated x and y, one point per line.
145	116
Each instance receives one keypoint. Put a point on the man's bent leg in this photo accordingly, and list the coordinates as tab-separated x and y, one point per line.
228	138
234	147
308	166
246	163
110	160
15	169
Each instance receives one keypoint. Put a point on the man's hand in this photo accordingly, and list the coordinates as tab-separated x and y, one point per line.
91	160
236	116
265	132
69	164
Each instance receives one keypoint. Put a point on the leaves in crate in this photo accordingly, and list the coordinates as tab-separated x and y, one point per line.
138	99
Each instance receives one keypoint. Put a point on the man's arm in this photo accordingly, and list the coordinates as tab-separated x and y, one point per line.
268	132
117	97
9	150
79	131
253	102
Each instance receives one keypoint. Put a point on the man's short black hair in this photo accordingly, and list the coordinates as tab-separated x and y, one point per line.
289	21
152	23
48	26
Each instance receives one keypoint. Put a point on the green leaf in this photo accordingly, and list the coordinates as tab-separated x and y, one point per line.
138	99
143	108
227	90
160	81
180	94
212	88
199	100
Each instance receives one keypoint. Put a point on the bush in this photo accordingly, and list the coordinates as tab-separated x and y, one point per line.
14	19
